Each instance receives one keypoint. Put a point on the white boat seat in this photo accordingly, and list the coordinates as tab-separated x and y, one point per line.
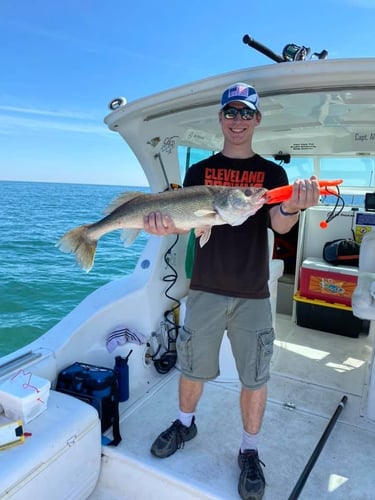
363	305
363	299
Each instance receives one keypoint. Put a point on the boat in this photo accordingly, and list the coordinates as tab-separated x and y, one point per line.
318	435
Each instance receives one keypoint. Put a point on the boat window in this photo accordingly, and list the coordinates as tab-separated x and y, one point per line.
350	200
297	168
356	172
187	156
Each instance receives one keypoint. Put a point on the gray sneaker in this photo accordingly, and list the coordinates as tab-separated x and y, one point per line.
251	483
173	439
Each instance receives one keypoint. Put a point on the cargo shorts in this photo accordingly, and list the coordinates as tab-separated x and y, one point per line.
248	323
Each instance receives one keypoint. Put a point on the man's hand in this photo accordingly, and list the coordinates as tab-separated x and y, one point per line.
159	224
305	194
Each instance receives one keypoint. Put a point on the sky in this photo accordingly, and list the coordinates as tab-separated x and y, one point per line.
61	63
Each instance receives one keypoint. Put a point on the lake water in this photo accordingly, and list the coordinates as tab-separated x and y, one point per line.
39	284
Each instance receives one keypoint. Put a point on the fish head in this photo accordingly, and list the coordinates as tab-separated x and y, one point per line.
235	205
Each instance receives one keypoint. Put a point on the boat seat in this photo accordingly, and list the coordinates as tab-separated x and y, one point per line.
363	305
363	300
276	268
62	455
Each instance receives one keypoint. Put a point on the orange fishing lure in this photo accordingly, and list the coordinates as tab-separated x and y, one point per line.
283	193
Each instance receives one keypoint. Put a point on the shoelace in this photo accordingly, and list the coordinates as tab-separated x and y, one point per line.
251	466
176	428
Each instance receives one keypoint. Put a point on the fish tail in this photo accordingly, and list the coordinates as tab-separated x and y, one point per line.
77	241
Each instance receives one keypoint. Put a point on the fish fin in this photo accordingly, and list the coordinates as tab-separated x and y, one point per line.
128	236
202	212
120	200
76	241
203	233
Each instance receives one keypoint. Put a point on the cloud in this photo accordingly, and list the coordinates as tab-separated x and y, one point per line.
33	29
26	120
84	44
48	112
92	46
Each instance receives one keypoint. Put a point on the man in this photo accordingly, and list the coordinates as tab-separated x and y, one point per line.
229	285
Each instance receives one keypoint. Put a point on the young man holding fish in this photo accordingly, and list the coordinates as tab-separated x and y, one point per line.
229	285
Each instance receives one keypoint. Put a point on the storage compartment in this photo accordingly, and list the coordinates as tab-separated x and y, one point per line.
60	459
333	284
333	318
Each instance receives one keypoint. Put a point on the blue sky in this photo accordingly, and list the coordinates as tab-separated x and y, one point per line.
63	62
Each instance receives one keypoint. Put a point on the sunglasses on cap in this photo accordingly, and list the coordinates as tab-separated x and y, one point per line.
231	113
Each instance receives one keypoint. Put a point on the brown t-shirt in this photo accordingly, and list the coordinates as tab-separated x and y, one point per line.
234	262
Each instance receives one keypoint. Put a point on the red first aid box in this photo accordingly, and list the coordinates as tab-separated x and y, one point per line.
333	284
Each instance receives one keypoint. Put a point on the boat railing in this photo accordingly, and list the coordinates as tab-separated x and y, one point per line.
18	362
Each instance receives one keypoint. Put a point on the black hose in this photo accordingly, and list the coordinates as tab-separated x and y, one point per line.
310	464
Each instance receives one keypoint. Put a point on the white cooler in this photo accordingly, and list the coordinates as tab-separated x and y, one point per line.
60	460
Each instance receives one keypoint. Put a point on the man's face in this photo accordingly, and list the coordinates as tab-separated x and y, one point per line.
237	130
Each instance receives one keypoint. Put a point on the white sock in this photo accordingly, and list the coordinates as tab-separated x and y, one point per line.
185	418
249	441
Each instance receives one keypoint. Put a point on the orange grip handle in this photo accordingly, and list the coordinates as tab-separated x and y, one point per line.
283	193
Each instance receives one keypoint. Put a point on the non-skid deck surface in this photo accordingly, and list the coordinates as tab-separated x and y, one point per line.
313	381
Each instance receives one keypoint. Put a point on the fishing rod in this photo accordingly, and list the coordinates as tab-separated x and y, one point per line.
315	454
291	51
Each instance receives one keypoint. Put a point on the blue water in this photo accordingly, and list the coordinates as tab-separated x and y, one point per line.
39	284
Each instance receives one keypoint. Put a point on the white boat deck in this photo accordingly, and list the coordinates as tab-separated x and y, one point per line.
311	371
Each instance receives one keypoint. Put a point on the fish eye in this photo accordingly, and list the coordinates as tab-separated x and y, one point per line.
247	192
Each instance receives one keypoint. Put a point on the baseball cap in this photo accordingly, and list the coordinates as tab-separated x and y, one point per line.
241	92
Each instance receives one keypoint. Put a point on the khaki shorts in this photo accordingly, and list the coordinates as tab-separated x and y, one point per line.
249	328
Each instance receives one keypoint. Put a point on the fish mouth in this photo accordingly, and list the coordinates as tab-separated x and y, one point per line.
267	197
262	193
257	195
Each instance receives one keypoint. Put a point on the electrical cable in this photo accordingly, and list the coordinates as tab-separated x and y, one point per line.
171	278
336	211
168	359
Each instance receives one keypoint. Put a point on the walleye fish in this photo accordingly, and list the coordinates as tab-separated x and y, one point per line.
195	207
